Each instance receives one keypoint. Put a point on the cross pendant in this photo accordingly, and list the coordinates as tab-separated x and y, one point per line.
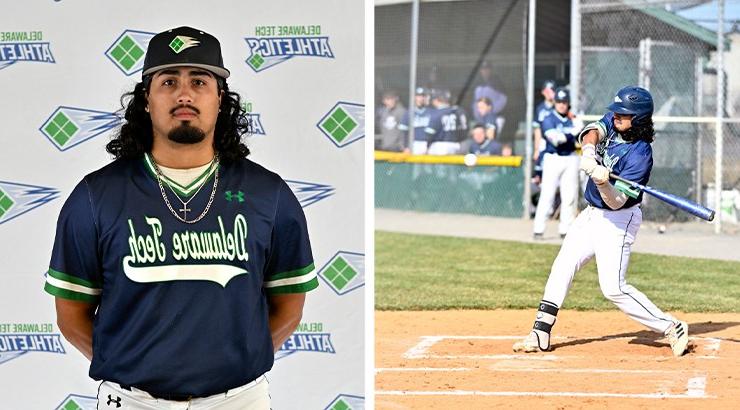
185	211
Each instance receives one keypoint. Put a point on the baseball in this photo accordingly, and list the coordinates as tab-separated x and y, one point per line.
661	229
470	160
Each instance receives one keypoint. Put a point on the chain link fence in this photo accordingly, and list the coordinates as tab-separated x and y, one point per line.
649	43
621	42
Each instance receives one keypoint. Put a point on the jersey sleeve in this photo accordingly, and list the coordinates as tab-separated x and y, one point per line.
602	127
435	124
290	268
75	271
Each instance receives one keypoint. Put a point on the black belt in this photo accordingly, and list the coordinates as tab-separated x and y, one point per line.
171	397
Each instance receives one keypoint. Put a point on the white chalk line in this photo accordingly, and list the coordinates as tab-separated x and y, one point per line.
538	394
695	388
528	370
419	351
422	369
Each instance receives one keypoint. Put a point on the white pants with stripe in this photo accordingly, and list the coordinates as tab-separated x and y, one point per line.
608	236
251	396
558	171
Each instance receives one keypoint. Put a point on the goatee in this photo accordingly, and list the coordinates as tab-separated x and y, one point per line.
186	134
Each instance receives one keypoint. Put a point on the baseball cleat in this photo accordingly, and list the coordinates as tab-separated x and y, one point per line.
530	344
678	336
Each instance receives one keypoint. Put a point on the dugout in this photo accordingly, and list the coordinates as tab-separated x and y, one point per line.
619	44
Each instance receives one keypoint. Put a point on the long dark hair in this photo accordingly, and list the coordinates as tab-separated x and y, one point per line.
135	136
643	131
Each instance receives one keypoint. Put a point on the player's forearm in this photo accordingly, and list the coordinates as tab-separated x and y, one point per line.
285	315
75	321
282	325
590	137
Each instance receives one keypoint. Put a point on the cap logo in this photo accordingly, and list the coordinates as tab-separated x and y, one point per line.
180	43
617	99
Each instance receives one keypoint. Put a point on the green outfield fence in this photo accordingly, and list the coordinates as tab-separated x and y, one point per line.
479	190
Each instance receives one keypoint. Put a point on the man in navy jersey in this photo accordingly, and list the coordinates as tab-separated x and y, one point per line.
559	165
484	111
619	144
422	113
447	125
541	112
181	267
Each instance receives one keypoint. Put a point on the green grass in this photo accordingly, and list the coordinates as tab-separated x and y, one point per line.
418	272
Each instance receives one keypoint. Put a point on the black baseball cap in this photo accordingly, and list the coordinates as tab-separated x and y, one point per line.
184	46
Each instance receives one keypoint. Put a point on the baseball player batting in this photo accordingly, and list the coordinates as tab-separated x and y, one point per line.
618	143
181	267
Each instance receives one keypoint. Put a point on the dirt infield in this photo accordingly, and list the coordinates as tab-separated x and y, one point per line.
463	360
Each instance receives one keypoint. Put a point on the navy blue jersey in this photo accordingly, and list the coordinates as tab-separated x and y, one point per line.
489	121
447	124
541	112
556	123
182	308
630	160
488	147
421	122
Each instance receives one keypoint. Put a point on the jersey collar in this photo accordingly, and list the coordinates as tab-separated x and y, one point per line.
182	190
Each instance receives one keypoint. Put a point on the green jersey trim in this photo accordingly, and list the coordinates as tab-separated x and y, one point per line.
292	273
71	295
72	279
297	288
181	190
295	280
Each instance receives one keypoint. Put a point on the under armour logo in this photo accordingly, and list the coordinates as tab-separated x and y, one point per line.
239	196
117	401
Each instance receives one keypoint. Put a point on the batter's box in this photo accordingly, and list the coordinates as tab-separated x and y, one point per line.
493	348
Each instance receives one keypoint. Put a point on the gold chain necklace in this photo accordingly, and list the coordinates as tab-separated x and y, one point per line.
185	208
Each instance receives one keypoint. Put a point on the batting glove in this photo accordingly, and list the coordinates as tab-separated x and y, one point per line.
600	175
588	158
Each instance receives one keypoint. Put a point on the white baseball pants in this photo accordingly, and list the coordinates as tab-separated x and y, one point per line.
562	171
251	396
608	236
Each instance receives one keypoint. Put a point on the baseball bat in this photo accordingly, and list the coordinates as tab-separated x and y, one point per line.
681	203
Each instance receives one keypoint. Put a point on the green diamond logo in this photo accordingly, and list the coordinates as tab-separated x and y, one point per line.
71	405
61	129
256	61
126	53
339	273
176	44
338	124
5	203
341	405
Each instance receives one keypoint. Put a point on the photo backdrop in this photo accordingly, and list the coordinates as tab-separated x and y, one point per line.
299	68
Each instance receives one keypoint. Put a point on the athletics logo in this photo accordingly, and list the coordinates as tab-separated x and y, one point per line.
254	123
309	192
344	272
22	46
276	44
28	337
70	126
308	337
17	199
346	402
128	51
180	43
77	402
344	123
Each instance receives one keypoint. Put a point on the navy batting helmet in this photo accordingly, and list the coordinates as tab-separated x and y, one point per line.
562	95
635	101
